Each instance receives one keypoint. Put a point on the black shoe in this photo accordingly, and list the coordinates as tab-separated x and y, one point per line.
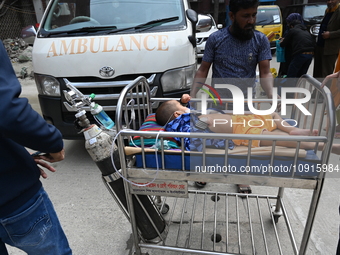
313	94
320	100
200	184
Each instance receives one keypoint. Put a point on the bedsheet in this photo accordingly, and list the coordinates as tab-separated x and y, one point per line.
215	162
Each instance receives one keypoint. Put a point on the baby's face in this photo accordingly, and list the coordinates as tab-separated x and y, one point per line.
182	109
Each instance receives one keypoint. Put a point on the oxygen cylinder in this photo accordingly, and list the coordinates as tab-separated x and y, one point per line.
98	144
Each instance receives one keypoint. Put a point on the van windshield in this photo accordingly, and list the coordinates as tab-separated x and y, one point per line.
94	16
314	11
268	16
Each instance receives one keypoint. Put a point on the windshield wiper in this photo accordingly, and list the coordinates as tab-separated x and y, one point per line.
156	22
317	17
147	25
261	21
84	30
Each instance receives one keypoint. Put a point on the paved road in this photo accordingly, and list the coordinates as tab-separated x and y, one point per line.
95	225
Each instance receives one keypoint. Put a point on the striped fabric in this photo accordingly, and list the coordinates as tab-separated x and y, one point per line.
150	124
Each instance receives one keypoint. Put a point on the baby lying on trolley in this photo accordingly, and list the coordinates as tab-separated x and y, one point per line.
176	117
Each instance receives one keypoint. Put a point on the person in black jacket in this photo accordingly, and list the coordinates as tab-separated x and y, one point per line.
28	220
301	44
284	65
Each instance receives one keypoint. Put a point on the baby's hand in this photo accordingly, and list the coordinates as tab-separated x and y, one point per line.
328	77
185	98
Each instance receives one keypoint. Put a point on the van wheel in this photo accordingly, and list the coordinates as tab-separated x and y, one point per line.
83	19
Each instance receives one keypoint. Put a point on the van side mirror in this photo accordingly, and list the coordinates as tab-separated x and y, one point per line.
193	17
28	34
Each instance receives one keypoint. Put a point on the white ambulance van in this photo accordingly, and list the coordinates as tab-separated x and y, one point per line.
100	46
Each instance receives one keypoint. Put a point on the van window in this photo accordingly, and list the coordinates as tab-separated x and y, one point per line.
268	16
313	11
103	15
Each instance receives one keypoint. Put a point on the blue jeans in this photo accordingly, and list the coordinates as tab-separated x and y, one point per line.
34	228
299	65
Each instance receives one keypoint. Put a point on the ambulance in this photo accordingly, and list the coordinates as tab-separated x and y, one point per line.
100	46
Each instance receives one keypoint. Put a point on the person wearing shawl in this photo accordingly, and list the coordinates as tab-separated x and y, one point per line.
328	41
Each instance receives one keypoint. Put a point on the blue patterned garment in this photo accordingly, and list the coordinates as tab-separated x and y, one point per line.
185	123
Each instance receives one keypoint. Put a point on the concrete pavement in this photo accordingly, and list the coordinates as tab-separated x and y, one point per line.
95	225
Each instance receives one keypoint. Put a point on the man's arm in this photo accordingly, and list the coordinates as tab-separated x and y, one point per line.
200	77
19	122
331	34
335	32
331	76
287	39
266	77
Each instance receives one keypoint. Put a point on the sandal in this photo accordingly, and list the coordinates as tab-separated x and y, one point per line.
200	184
243	188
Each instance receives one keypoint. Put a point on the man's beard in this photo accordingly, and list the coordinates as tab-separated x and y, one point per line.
242	34
330	6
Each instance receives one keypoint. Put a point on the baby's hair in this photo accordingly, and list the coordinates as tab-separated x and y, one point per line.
165	112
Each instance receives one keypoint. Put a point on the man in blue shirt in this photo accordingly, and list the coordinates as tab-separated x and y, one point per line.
28	220
234	53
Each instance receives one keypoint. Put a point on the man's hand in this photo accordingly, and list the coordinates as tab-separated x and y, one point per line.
52	157
43	164
325	35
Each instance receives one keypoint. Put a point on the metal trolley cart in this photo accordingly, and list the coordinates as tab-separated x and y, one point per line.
217	222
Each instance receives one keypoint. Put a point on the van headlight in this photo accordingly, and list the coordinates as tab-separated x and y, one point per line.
314	30
47	85
177	79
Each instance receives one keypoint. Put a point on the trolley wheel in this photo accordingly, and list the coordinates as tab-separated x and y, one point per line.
276	213
165	208
276	218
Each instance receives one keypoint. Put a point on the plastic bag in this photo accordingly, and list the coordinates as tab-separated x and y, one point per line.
280	53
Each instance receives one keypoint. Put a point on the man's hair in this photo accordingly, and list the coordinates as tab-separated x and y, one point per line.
236	5
165	112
